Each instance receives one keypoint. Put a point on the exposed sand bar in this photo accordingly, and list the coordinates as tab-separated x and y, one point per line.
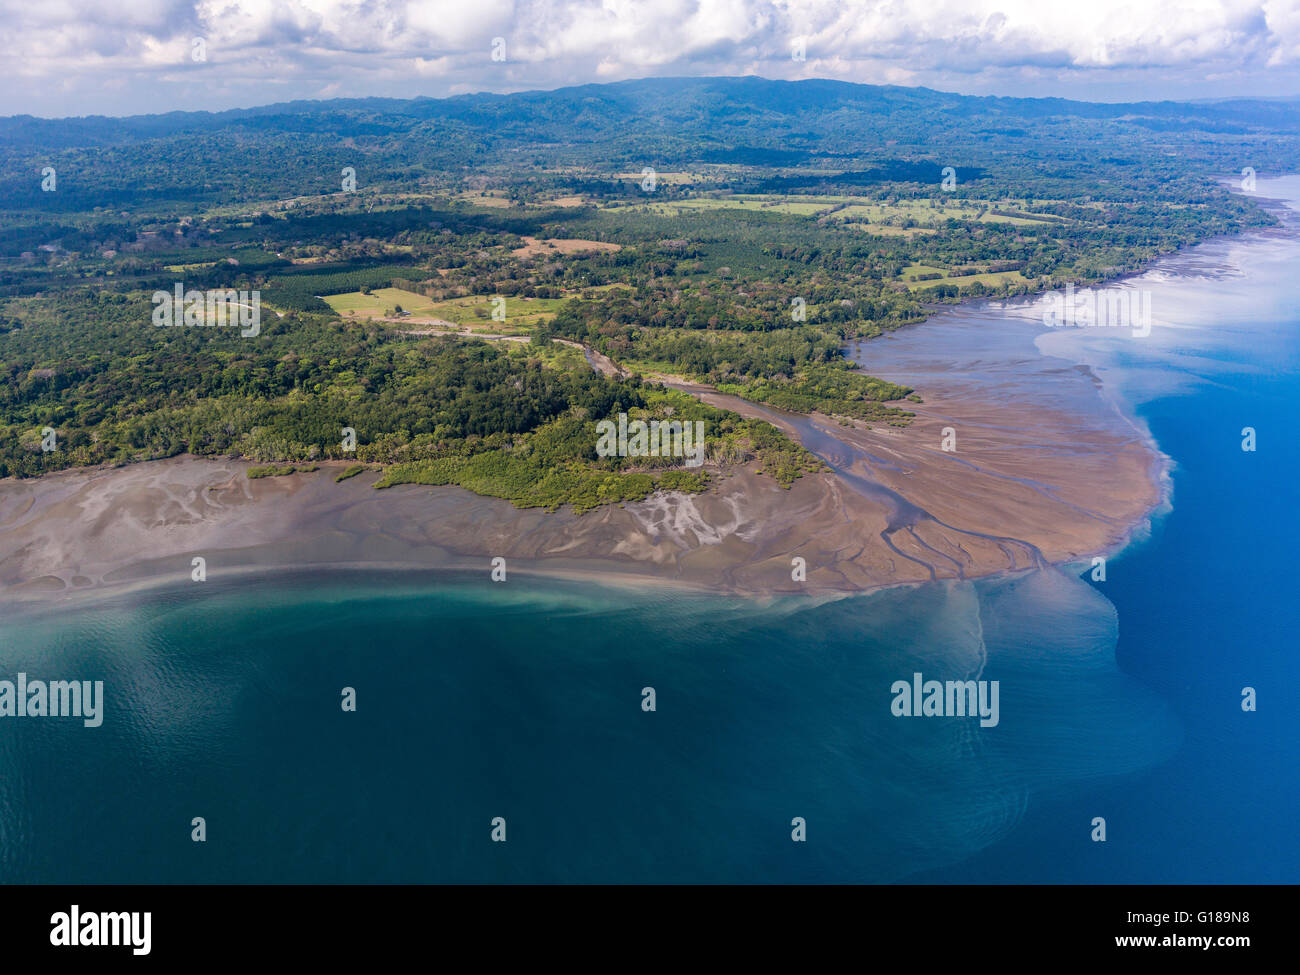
1045	470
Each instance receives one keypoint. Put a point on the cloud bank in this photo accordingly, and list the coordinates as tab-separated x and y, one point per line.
77	58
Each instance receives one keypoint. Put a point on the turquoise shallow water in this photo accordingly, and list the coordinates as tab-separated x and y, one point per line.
523	700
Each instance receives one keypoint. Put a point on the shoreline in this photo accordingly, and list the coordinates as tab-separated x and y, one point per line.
83	532
891	513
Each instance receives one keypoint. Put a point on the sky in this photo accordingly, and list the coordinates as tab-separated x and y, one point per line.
76	57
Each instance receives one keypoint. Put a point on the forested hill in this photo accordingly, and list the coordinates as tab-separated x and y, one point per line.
705	107
661	123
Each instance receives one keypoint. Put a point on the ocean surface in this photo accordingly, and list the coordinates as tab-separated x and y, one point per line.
523	700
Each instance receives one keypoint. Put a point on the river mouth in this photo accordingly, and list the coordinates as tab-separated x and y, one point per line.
1012	450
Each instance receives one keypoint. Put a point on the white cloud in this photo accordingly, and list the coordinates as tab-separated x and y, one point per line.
73	58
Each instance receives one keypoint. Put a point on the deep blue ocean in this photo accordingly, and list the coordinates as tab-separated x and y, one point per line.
523	700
